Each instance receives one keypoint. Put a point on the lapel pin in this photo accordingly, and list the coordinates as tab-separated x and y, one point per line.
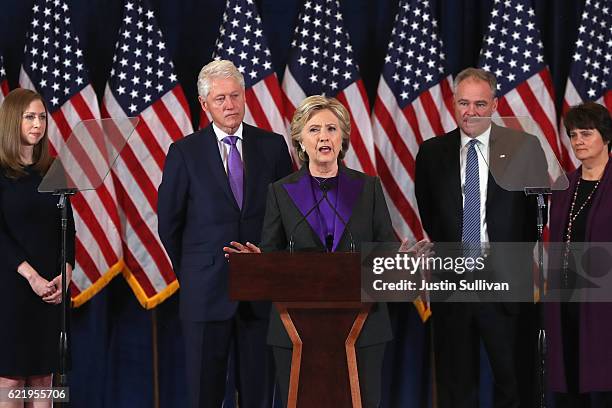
501	156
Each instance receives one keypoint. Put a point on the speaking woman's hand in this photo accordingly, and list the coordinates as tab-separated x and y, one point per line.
238	248
422	248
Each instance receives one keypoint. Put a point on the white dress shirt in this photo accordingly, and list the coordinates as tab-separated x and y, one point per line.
224	148
482	151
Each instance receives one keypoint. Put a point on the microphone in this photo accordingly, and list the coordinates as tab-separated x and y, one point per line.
316	205
350	234
328	239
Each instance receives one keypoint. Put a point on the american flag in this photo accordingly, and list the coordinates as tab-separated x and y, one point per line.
143	83
321	61
413	103
4	88
512	51
54	66
241	40
590	77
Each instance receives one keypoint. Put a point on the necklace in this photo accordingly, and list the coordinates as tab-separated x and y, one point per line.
571	218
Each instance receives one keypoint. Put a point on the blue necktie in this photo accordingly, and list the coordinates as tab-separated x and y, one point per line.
471	204
235	171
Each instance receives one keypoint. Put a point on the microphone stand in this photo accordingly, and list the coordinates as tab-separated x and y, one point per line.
63	338
352	243
324	188
291	238
540	193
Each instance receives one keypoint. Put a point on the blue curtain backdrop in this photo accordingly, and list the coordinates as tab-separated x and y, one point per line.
111	335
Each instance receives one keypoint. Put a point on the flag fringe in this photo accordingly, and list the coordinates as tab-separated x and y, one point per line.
91	291
148	302
422	309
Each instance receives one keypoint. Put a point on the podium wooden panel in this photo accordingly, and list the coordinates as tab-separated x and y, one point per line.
318	297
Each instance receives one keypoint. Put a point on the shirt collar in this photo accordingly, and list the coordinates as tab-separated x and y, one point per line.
221	134
483	138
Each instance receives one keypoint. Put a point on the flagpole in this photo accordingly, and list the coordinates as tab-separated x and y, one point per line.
155	358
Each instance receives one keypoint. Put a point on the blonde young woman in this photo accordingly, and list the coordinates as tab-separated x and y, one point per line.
30	281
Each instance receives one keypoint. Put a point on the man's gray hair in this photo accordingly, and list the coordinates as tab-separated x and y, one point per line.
476	73
217	69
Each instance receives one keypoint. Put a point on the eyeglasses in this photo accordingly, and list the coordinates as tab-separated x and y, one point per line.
30	117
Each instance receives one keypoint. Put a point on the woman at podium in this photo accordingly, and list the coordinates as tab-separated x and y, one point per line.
327	207
31	284
580	334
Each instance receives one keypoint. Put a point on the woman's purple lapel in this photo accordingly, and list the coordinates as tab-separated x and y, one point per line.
302	195
349	190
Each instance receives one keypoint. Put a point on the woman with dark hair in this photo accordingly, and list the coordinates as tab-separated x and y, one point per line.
580	334
31	285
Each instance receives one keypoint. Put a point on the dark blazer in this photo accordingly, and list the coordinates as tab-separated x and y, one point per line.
198	214
516	160
360	202
510	215
595	336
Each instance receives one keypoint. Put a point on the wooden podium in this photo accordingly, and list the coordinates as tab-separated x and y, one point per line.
318	296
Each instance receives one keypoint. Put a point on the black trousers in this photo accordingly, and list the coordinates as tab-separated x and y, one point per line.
369	366
207	347
458	329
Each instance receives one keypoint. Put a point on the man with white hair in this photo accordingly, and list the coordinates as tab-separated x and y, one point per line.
213	191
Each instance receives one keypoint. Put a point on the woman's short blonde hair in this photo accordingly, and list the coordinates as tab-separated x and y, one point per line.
11	116
307	109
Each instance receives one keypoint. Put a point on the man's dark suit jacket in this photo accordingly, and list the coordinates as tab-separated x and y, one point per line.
362	203
510	215
516	160
198	214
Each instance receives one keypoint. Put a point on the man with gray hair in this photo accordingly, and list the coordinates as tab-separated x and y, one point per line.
213	191
460	201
